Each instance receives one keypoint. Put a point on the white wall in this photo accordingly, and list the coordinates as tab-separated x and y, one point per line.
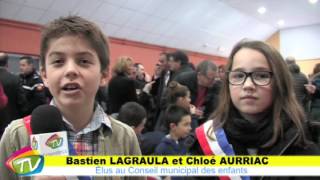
302	42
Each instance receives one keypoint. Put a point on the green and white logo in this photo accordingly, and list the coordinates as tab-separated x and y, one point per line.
25	162
55	141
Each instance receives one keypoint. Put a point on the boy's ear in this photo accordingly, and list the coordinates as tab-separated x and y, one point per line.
43	76
104	78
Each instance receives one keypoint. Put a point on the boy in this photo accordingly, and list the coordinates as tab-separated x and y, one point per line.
179	122
134	115
74	64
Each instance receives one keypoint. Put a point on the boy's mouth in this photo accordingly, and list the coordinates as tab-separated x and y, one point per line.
71	87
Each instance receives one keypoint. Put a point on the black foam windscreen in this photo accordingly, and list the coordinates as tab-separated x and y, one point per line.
46	119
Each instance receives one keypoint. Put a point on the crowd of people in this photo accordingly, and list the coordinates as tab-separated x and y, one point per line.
258	102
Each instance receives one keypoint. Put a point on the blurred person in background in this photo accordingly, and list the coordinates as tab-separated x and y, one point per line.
178	63
313	89
16	105
203	86
121	87
31	83
299	80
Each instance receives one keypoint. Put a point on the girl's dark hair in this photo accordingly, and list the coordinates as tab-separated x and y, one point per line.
174	91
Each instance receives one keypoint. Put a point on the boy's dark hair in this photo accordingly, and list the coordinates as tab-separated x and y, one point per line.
3	59
76	26
27	58
180	56
132	114
174	114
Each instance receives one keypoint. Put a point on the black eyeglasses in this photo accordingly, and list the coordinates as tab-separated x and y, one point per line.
260	78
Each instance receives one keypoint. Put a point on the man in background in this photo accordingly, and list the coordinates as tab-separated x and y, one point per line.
31	84
204	87
178	63
299	80
16	99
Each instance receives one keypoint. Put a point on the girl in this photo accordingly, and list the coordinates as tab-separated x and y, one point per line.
258	113
179	95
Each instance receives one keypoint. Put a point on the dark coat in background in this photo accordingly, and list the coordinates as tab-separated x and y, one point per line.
16	99
184	69
121	89
299	80
169	146
316	96
190	80
3	97
34	90
314	109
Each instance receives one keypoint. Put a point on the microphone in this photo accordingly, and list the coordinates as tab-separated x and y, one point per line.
49	136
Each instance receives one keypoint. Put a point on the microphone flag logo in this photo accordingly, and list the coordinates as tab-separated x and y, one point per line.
54	141
34	144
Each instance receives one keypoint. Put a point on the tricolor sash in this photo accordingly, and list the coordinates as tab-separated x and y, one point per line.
217	144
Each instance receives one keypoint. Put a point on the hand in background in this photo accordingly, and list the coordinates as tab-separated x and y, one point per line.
195	111
310	88
147	87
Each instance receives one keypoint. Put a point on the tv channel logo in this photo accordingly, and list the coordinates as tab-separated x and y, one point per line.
54	142
25	162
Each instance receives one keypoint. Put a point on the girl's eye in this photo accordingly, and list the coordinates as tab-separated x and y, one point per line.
262	75
238	75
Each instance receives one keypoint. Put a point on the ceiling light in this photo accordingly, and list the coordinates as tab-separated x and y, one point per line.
313	1
205	45
280	22
221	49
262	10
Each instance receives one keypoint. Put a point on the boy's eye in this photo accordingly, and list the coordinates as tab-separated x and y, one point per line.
57	61
84	61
